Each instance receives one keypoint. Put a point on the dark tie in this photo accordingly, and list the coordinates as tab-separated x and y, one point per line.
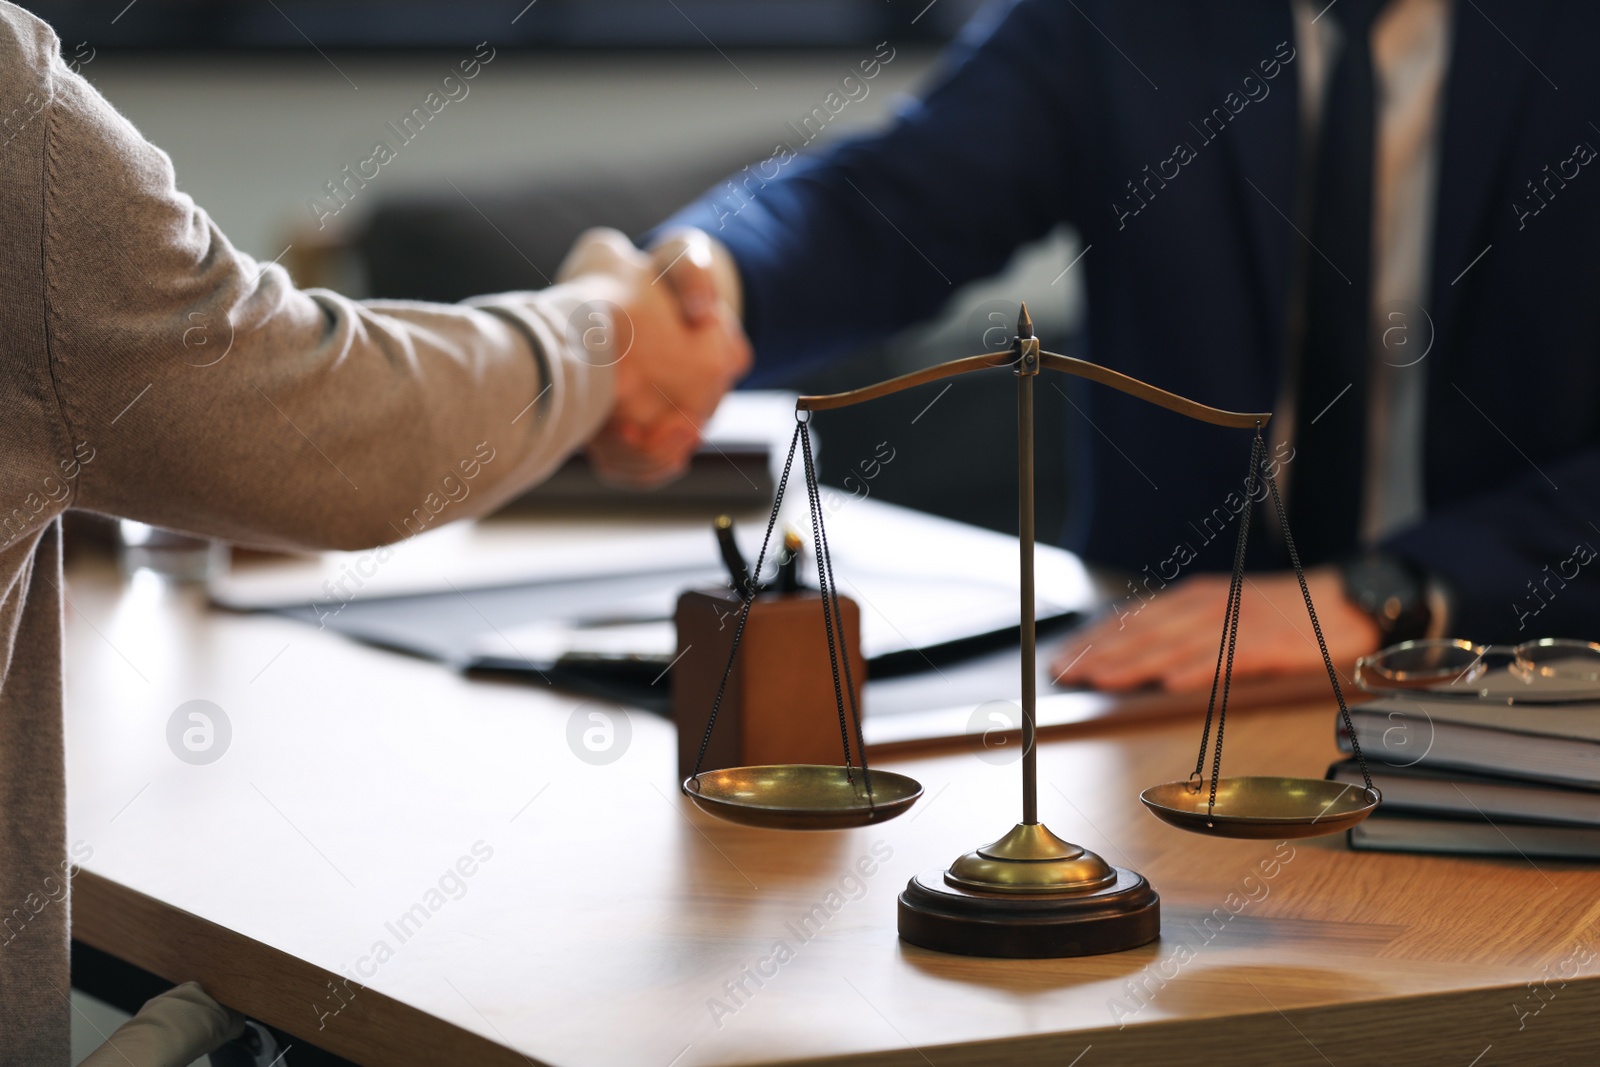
1331	401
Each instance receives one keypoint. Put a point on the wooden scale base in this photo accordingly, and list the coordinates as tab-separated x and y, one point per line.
938	914
1030	895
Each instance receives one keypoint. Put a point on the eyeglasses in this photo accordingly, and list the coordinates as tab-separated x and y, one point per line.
1550	670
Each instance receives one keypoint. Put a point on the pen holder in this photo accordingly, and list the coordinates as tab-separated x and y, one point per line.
779	704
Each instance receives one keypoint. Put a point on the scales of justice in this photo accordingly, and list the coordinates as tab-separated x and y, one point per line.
1029	893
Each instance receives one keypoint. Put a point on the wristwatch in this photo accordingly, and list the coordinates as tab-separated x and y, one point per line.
1395	594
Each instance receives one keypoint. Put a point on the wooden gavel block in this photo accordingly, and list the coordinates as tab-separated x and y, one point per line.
779	705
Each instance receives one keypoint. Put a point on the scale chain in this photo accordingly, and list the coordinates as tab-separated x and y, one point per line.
1223	676
1327	660
814	503
831	616
748	596
825	558
1230	634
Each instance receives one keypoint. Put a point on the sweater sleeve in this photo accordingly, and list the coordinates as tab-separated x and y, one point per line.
209	394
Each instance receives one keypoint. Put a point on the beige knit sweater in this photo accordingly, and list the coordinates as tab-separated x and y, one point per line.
152	371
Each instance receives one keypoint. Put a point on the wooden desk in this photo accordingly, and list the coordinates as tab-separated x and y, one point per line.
611	919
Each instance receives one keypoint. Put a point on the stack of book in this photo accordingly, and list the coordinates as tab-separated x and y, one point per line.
1477	777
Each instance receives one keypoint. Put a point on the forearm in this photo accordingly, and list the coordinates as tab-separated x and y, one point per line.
336	424
218	398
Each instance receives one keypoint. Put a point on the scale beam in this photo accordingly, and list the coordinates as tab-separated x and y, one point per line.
1239	420
965	365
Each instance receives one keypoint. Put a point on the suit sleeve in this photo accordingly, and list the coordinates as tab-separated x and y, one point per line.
876	233
1522	561
206	393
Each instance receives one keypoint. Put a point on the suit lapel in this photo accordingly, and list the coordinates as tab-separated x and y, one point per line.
1263	149
1490	78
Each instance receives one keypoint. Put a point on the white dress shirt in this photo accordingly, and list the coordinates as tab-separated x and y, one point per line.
1410	53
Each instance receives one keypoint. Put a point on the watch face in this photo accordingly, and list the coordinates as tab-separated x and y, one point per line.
1385	589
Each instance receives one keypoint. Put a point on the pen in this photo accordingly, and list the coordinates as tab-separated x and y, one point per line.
788	561
732	558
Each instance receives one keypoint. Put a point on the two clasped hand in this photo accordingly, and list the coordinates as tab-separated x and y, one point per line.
676	344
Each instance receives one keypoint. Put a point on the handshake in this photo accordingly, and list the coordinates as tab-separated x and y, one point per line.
672	331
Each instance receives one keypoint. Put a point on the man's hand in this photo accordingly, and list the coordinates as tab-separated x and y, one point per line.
1170	637
672	368
702	274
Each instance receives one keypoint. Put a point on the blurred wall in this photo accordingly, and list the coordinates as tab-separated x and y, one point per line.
255	137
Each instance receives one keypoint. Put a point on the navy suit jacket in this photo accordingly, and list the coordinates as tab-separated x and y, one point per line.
1167	132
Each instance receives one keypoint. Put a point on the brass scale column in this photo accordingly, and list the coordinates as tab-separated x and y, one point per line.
1029	894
